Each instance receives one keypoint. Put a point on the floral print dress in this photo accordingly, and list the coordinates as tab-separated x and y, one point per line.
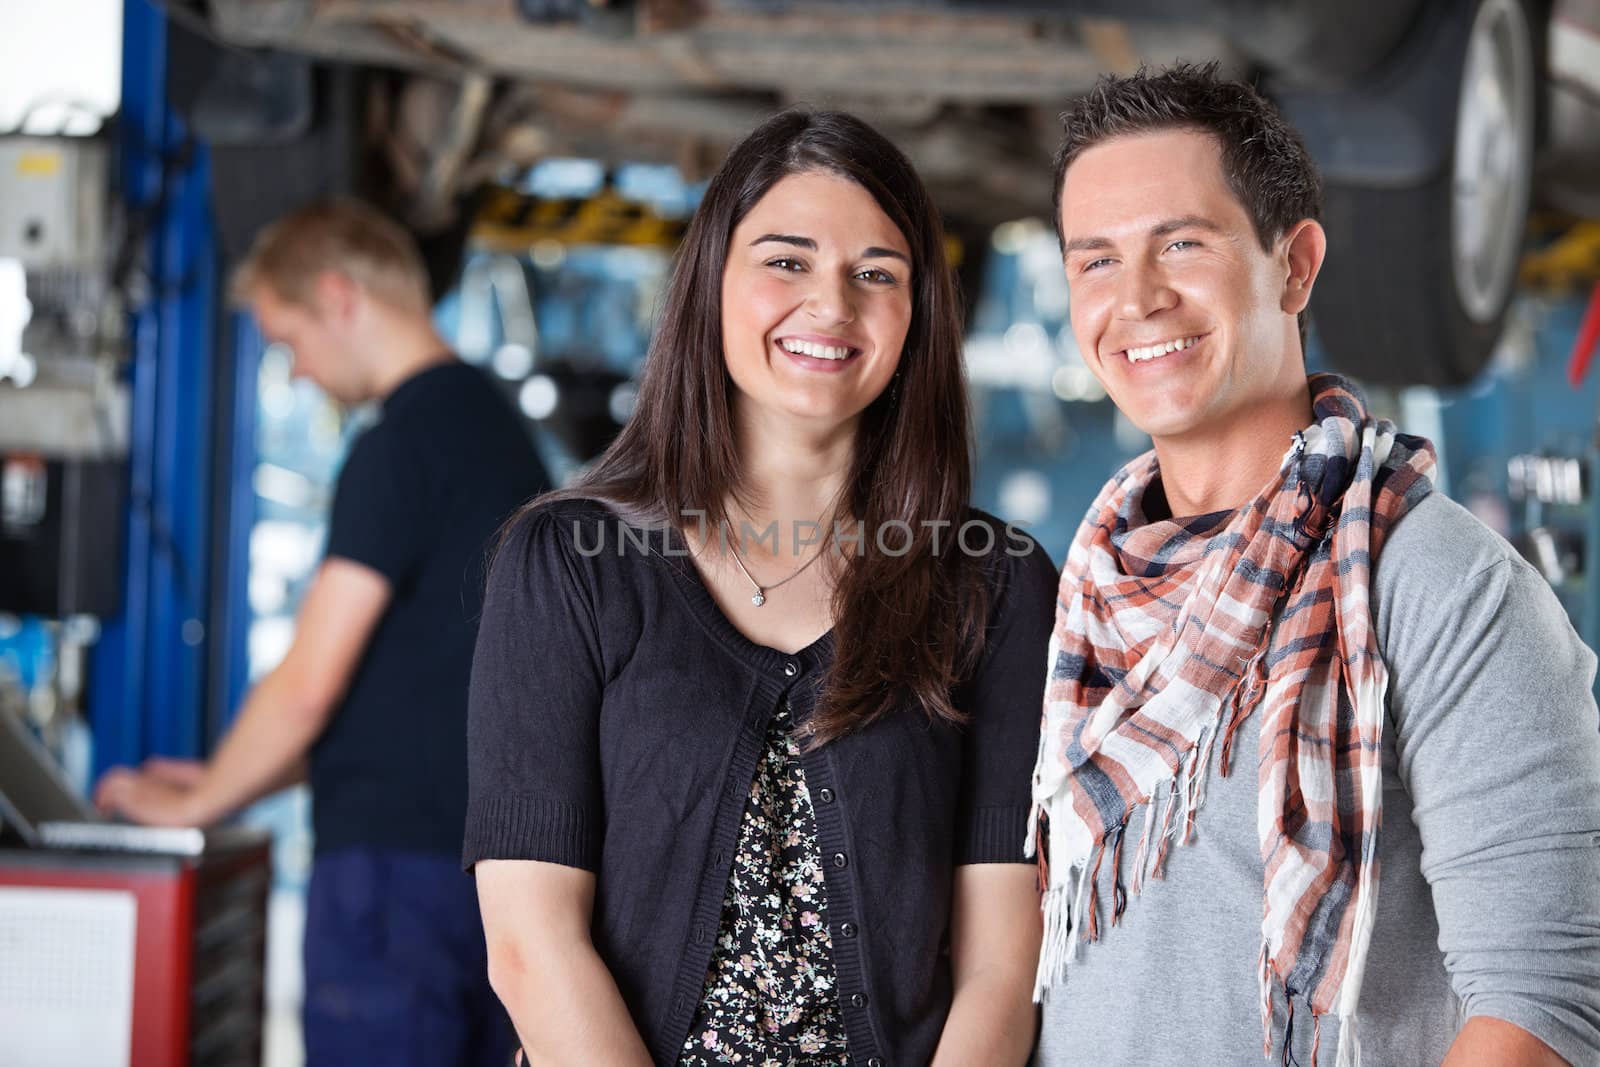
771	997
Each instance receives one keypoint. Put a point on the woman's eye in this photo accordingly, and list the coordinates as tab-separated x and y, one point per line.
876	274
786	263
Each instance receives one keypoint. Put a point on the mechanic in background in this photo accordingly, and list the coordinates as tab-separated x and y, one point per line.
370	701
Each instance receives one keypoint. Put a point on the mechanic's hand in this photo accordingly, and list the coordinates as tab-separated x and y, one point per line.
142	797
184	773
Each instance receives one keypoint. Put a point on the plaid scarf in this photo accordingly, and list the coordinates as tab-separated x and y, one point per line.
1168	634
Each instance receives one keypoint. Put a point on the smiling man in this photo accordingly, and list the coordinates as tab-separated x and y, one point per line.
1403	866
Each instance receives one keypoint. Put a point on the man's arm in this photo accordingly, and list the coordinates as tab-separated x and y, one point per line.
1489	1042
1497	740
284	714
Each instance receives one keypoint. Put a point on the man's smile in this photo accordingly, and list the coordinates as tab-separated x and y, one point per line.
1155	350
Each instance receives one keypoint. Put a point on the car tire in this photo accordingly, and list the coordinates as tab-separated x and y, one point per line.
1423	249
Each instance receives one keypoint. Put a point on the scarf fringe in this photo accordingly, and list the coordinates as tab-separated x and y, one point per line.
1071	908
1062	904
1349	1039
1264	976
1141	854
1349	1042
1251	684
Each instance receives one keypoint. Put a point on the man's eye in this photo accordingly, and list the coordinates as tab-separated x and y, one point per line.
1183	244
1095	264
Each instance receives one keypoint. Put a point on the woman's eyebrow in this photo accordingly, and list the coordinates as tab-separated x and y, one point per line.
786	239
872	252
876	252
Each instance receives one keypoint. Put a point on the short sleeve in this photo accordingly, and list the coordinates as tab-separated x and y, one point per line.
533	775
1003	701
382	517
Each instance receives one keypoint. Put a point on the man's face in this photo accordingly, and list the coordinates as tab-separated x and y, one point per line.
315	341
1176	307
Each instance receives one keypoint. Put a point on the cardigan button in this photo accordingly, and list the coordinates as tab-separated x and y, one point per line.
791	669
858	1000
840	860
825	795
847	929
875	1062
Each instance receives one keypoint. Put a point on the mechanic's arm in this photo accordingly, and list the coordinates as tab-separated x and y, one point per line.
1498	742
995	930
283	715
545	970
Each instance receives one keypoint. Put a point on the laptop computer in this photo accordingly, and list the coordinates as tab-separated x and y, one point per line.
38	802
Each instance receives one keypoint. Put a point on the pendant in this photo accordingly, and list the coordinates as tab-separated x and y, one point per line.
758	599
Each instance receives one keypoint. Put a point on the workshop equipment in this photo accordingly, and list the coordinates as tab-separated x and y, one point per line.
124	946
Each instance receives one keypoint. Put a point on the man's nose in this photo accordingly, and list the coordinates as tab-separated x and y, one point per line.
1142	291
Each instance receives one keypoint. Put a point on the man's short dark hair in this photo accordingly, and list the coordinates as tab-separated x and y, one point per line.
1265	163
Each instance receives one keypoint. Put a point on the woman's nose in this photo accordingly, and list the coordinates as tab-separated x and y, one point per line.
831	300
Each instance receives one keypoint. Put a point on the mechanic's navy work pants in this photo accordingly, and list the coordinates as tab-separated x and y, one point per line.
395	965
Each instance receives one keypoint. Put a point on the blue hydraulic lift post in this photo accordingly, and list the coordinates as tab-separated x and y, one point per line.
233	625
185	451
147	688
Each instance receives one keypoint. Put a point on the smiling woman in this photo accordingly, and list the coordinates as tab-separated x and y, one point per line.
822	237
814	322
742	800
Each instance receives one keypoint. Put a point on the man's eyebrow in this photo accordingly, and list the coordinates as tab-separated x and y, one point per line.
1085	244
872	252
1184	222
1160	229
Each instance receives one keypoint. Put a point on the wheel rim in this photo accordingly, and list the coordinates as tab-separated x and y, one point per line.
1493	158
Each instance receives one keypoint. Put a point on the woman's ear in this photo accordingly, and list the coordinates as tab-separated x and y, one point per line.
1303	248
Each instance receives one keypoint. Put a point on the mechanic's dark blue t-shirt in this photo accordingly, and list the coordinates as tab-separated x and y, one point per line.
420	500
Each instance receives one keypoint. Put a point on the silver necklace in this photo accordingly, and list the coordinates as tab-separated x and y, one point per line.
759	597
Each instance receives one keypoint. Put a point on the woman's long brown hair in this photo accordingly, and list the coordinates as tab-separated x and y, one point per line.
906	626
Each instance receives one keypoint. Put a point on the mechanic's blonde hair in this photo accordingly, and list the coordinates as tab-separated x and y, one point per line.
344	235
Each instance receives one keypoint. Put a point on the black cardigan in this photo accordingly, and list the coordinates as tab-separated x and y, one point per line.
615	721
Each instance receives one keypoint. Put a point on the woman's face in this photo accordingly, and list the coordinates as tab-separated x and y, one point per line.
816	300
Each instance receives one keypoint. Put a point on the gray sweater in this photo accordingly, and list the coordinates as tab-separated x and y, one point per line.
1489	898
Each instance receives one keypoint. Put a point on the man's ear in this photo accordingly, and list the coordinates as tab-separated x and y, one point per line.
1303	248
337	296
